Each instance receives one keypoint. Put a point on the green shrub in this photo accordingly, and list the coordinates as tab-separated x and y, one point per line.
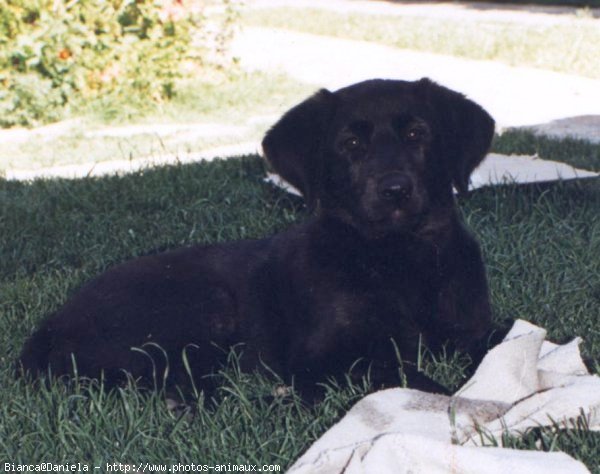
56	55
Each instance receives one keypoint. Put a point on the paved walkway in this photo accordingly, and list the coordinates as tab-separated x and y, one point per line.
515	96
560	104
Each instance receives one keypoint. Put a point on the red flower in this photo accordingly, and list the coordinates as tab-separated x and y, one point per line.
64	54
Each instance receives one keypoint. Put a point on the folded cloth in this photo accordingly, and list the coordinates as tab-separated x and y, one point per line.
524	382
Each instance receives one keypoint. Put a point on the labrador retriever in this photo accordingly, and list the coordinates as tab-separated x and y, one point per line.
384	263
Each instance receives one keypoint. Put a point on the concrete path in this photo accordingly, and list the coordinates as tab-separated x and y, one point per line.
515	96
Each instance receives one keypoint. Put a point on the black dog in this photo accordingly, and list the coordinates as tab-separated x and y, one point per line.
384	263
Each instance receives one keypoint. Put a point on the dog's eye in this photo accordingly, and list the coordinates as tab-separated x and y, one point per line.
352	143
414	135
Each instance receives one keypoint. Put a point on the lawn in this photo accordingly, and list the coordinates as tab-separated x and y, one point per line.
229	102
541	246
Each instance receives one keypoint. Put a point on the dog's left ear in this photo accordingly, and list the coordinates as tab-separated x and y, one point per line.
467	131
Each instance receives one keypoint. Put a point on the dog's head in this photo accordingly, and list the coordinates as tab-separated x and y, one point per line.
381	154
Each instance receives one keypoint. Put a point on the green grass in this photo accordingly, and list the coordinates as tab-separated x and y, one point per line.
541	246
569	47
231	101
90	426
226	98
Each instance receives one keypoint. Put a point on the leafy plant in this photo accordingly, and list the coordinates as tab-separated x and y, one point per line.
56	55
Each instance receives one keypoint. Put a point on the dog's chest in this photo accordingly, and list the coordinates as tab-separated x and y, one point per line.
375	298
343	283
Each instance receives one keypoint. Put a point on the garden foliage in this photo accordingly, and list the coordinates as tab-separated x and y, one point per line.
60	54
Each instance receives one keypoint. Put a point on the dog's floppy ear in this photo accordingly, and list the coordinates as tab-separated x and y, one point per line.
467	131
293	146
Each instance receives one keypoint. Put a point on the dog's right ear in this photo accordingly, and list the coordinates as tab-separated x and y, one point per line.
293	146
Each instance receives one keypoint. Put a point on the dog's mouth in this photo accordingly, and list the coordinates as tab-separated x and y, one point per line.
396	220
390	215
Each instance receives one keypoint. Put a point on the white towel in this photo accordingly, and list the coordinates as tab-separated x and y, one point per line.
522	383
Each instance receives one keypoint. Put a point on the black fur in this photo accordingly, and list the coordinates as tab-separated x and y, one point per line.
384	263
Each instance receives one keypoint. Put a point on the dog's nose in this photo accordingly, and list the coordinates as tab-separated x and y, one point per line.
396	188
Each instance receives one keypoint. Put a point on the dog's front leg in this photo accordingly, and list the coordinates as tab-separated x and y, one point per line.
464	314
377	375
